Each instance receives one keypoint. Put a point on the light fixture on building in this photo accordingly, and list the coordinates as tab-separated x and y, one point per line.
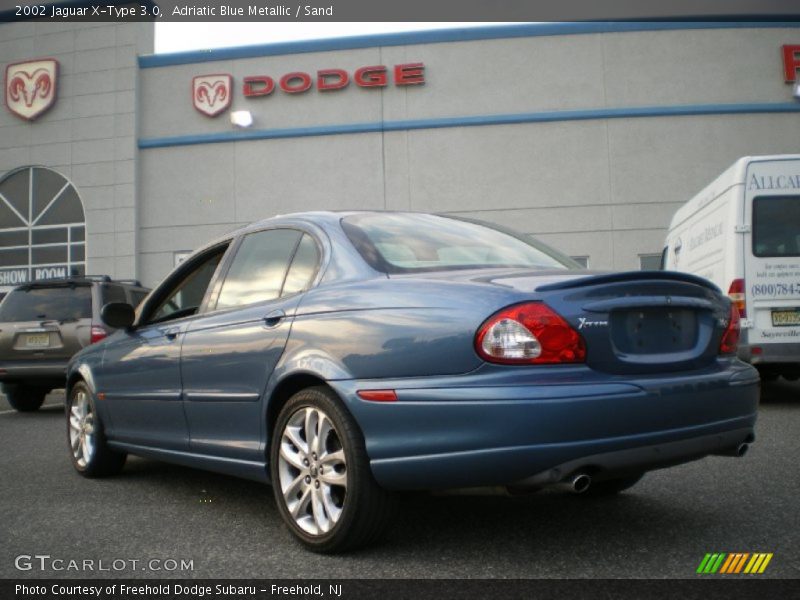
241	118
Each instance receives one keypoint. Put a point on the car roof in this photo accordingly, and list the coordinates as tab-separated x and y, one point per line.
325	219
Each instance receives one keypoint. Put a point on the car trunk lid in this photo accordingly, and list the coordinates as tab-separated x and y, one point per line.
633	322
643	322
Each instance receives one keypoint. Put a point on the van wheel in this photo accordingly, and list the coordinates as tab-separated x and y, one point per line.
90	453
321	477
25	398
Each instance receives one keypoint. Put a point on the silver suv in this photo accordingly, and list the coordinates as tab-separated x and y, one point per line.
43	324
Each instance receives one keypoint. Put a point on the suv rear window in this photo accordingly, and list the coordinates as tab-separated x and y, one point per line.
47	303
409	243
776	226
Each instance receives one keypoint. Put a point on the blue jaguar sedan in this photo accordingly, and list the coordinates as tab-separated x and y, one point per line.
344	356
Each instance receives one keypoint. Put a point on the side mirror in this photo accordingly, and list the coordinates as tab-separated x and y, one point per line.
117	315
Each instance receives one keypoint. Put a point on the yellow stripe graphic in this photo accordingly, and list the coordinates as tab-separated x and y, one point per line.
751	564
761	558
765	563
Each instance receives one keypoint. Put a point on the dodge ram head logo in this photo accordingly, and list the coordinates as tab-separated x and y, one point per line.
211	94
31	87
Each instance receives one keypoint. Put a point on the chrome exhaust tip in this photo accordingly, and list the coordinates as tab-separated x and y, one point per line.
742	449
736	451
581	483
577	484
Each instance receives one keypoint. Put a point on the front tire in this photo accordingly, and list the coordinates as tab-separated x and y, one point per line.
321	478
25	398
90	453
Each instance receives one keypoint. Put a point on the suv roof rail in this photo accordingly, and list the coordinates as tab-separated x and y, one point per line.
135	282
91	277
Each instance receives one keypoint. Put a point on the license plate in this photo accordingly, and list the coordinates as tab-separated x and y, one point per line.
786	318
37	340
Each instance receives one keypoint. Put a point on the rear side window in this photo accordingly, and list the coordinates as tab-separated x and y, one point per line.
61	303
776	226
259	267
303	268
137	297
112	293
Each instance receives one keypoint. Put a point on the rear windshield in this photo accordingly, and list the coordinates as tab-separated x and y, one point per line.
62	303
776	226
408	243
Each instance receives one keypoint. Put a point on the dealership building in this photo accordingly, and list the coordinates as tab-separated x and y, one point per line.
115	160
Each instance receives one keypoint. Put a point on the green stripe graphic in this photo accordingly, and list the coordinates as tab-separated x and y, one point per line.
711	563
703	563
718	564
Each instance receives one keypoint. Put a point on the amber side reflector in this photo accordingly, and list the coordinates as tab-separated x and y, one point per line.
101	395
377	395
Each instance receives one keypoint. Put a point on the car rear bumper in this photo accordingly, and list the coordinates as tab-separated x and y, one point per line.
34	372
460	432
771	353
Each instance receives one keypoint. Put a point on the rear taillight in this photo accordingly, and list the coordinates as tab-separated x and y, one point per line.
730	339
530	333
98	333
736	294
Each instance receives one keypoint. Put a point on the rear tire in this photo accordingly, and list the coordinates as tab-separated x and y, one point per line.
25	398
321	478
91	456
612	486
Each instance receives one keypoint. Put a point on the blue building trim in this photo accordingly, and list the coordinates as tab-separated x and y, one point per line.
444	35
470	121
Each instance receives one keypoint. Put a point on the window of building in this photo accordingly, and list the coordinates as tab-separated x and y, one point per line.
42	227
650	262
581	260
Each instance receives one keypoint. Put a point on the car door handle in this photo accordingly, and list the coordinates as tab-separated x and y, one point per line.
273	318
171	334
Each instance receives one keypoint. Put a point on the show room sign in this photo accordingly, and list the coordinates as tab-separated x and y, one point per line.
212	93
21	275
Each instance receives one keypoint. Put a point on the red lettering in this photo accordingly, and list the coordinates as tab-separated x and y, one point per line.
371	76
339	77
409	74
258	86
791	62
288	83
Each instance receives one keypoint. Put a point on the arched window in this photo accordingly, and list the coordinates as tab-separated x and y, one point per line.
42	227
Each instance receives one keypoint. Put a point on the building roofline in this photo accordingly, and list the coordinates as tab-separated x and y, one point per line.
437	36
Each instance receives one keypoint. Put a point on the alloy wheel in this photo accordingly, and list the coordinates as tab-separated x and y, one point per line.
312	470
81	429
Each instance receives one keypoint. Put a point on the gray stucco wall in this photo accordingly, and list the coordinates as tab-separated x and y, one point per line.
89	135
604	188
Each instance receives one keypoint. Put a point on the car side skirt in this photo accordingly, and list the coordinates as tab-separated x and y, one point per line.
254	470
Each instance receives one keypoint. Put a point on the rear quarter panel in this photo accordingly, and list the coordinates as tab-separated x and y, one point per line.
391	328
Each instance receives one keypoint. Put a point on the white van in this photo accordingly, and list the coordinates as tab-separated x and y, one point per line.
743	233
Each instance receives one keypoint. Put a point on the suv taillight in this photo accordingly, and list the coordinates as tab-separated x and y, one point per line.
730	339
736	294
530	333
98	333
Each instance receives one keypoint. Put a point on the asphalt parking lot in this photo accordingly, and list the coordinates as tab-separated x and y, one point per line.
227	527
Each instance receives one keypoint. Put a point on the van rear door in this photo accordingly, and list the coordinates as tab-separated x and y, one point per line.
772	257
